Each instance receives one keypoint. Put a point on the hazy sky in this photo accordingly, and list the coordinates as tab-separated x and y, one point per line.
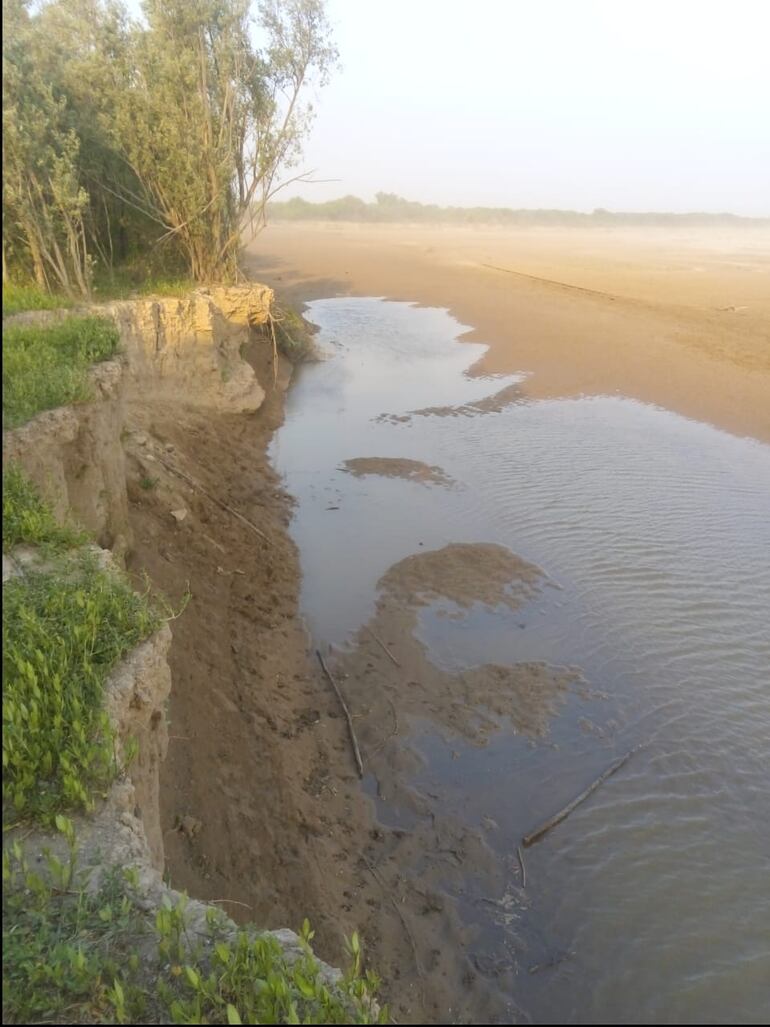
624	104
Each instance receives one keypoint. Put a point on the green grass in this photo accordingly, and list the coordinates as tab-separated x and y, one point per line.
63	631
77	955
46	366
126	282
121	283
27	520
17	298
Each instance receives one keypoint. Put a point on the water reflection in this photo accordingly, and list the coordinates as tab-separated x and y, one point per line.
655	533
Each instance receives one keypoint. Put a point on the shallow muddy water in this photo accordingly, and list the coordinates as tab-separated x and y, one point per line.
645	541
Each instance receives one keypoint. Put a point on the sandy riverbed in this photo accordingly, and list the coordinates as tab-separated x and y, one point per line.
676	318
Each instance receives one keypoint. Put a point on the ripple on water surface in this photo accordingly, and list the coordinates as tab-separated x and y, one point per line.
652	533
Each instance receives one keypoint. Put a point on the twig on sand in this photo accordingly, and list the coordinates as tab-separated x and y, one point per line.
535	836
214	499
379	641
378	878
520	854
346	711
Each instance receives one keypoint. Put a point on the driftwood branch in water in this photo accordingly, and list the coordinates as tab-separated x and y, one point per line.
214	499
346	711
535	836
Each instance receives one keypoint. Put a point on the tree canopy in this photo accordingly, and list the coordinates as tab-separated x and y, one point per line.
168	134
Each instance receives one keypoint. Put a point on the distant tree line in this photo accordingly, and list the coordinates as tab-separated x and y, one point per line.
388	207
160	139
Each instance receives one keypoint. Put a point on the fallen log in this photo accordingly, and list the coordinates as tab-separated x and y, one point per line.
535	836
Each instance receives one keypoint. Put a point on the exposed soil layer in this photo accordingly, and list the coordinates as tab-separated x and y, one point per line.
249	716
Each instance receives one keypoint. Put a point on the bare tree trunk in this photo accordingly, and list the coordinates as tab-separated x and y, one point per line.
38	267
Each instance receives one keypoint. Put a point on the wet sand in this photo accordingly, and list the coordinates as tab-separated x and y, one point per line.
679	319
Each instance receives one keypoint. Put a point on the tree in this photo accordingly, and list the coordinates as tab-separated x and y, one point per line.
175	130
209	120
43	200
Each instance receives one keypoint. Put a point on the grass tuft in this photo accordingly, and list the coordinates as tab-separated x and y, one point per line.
27	520
46	366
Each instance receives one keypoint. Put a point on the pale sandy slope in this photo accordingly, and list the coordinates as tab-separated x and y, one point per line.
677	318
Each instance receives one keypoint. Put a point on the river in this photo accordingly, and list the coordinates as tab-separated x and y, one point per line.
644	538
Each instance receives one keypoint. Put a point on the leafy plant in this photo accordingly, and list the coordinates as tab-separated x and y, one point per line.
63	631
125	136
248	978
72	953
293	335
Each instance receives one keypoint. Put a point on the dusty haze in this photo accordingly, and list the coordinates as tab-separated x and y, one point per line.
633	106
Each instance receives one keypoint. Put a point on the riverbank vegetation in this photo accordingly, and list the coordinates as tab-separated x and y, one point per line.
66	622
149	143
79	944
46	365
79	954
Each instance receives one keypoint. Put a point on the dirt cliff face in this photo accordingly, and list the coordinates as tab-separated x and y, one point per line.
109	466
74	456
191	347
183	350
136	701
186	353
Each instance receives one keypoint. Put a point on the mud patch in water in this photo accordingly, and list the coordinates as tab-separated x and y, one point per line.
493	404
397	467
446	877
395	678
